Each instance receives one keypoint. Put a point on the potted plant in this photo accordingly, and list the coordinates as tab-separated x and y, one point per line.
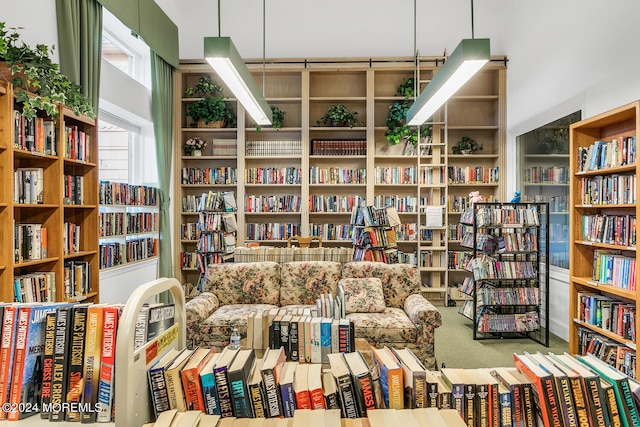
277	118
194	146
466	145
204	87
31	72
211	112
339	116
397	128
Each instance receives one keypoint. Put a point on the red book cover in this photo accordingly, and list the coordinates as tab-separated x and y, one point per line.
301	386
6	353
20	346
315	386
107	362
190	376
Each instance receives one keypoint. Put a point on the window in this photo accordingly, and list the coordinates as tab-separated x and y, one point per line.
544	177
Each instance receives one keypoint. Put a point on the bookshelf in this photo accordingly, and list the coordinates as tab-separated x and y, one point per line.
341	167
374	239
72	264
509	285
591	249
127	224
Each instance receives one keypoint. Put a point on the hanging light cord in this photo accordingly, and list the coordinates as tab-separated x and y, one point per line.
264	31
415	51
218	18
472	24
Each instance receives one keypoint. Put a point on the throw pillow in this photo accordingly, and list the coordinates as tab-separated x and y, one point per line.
363	295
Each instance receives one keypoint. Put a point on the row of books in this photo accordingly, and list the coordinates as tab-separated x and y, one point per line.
274	148
508	240
28	185
507	215
486	267
216	241
34	134
613	268
579	391
507	296
216	221
209	176
473	175
556	203
371	216
112	254
334	203
58	359
76	144
617	230
73	189
331	231
458	260
488	322
374	237
607	313
607	154
608	190
396	175
272	230
77	279
272	203
622	357
386	255
152	320
35	287
122	193
70	238
338	147
431	175
224	147
282	255
119	223
430	258
337	175
286	175
544	175
400	203
30	242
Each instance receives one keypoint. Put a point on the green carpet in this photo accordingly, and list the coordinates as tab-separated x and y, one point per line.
456	348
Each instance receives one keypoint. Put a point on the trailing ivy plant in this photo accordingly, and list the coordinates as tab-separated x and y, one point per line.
397	128
277	118
339	116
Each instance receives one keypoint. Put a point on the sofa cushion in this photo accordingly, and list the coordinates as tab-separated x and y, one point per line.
390	326
363	295
244	283
398	280
303	281
223	320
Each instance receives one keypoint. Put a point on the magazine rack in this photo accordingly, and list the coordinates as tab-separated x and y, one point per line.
133	405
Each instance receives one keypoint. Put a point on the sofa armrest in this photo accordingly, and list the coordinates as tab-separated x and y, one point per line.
421	312
200	308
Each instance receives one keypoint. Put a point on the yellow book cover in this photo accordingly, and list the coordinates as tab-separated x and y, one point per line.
92	349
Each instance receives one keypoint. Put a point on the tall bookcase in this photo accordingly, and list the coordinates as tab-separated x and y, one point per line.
509	286
337	168
602	261
76	156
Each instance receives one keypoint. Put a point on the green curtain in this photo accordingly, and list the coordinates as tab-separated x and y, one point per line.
80	44
162	113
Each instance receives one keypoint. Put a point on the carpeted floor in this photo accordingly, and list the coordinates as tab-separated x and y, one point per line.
456	348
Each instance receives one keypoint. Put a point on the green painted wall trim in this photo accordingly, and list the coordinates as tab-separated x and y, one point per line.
149	21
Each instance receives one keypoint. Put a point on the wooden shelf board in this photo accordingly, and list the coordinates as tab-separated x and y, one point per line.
604	245
35	262
620	206
341	185
207	185
82	297
267	156
336	128
472	156
79	206
77	163
25	154
337	156
35	206
115	236
273	185
479	127
546	156
329	213
79	254
272	213
214	157
608	334
470	184
588	282
607	171
336	98
473	98
126	264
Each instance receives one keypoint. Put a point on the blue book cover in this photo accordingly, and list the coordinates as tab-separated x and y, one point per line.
325	339
208	382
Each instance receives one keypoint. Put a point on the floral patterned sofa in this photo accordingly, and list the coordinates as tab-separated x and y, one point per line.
233	290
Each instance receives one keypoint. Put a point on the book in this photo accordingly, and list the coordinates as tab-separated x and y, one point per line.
414	378
294	338
256	390
92	356
611	403
140	331
620	383
238	373
190	378
110	315
284	377
223	387
487	400
391	377
160	318
314	383
563	387
157	383
316	340
75	381
47	364
285	323
506	379
545	394
273	360
325	339
344	383
362	380
208	383
60	375
9	324
27	359
301	386
579	399
330	391
173	380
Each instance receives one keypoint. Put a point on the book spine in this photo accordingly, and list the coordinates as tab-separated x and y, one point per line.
274	405
192	390
566	400
240	398
159	394
47	364
347	397
174	389
294	341
582	412
627	403
60	358
482	405
365	395
419	391
257	400
92	356
303	400
140	331
20	347
432	395
469	404
506	411
75	385
107	364
6	354
528	411
317	399
288	400
613	408
209	393
224	393
494	405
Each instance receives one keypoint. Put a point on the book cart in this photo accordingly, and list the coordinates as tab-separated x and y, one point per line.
509	287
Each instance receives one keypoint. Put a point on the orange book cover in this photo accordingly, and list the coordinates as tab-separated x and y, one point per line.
43	242
544	386
190	375
314	380
6	353
301	386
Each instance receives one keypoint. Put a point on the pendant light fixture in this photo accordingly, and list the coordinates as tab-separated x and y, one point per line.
465	61
225	60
